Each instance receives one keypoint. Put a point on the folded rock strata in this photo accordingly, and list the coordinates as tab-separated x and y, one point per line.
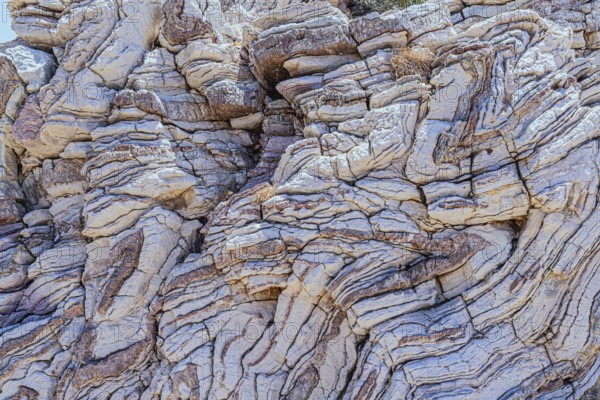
214	199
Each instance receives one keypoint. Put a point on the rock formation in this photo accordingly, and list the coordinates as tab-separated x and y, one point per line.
275	199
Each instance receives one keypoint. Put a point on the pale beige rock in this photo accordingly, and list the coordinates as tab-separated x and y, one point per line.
35	67
37	217
250	199
306	65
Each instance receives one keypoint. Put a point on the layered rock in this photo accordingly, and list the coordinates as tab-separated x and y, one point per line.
273	199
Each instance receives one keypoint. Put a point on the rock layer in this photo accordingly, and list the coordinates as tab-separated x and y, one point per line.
269	199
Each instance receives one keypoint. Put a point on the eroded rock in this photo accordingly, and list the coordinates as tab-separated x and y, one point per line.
271	199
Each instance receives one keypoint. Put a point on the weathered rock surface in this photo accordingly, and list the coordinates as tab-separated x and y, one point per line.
263	199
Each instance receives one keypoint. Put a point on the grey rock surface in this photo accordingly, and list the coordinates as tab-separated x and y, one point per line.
273	199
